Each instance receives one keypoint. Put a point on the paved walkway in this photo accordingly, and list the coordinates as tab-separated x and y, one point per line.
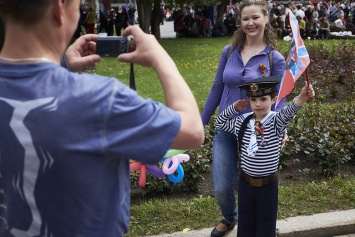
332	224
167	30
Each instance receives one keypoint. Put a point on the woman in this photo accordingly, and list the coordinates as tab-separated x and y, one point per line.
251	46
121	20
312	28
90	19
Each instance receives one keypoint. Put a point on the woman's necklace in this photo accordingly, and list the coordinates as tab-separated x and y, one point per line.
247	53
24	60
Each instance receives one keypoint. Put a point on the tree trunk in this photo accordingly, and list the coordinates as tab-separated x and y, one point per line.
221	8
144	8
155	19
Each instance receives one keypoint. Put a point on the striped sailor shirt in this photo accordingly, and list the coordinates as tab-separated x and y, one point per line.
264	162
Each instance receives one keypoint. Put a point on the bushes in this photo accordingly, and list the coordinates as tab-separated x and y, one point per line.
325	133
325	128
194	170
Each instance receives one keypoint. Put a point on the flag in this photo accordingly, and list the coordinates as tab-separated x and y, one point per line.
296	62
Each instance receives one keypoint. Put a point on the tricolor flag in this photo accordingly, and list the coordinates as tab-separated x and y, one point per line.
296	62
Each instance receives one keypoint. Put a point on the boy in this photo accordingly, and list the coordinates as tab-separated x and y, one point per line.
259	152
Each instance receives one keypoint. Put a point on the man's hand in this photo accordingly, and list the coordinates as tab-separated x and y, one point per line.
81	53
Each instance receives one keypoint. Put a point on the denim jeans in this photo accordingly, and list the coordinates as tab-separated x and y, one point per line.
225	173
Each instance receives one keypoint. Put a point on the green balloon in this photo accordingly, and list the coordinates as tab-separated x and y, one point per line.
173	152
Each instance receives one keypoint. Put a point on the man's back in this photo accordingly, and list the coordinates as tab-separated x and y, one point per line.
65	148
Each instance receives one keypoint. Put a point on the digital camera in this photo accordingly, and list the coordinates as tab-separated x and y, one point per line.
112	46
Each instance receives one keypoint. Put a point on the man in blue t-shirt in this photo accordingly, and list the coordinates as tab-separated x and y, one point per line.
66	138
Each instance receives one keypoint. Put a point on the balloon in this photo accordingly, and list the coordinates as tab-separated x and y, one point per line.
173	152
156	171
170	165
142	176
134	166
179	177
183	158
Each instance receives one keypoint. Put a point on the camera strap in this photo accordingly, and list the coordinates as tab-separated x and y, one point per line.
132	80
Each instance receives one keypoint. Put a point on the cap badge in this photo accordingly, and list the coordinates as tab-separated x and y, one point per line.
254	87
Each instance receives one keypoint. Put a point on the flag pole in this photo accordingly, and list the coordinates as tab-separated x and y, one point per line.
307	79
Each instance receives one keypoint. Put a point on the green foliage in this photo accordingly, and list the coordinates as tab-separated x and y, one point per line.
324	130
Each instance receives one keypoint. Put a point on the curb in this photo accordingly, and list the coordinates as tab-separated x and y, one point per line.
318	225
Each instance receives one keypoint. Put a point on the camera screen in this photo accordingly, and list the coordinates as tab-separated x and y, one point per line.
112	46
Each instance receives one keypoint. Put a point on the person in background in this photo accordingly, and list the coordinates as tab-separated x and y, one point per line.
131	15
121	21
103	15
230	24
67	137
312	28
90	21
260	151
110	22
253	43
219	29
323	28
302	26
274	11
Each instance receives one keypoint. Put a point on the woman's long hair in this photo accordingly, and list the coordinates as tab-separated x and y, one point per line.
239	36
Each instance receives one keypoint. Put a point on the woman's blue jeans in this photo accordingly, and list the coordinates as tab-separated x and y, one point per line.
225	173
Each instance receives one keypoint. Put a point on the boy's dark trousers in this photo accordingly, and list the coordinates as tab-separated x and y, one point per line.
257	209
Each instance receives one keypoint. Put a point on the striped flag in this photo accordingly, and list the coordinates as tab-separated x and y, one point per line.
296	62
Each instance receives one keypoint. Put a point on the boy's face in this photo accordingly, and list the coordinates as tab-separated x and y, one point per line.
261	105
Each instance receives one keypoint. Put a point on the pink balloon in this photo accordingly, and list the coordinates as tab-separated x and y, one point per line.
172	162
134	166
183	158
142	176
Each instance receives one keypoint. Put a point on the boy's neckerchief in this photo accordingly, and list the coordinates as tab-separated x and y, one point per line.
257	129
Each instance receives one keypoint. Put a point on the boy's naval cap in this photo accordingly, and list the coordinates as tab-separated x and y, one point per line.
261	86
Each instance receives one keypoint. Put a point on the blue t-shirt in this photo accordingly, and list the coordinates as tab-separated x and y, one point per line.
65	144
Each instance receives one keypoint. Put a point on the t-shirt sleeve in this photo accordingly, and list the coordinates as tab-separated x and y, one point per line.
138	128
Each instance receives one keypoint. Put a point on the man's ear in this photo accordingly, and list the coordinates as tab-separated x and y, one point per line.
274	100
58	11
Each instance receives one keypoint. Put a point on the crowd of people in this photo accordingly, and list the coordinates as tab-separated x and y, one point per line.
199	22
315	20
112	21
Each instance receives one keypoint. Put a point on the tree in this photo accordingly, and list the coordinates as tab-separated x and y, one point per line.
222	8
144	8
155	19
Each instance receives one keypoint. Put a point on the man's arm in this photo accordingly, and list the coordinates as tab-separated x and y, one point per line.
81	54
146	51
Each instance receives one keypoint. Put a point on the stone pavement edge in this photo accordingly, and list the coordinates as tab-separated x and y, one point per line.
331	224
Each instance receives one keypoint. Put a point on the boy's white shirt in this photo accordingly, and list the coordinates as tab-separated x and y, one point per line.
253	145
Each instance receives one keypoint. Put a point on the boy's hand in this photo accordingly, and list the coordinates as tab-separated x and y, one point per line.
240	105
306	94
